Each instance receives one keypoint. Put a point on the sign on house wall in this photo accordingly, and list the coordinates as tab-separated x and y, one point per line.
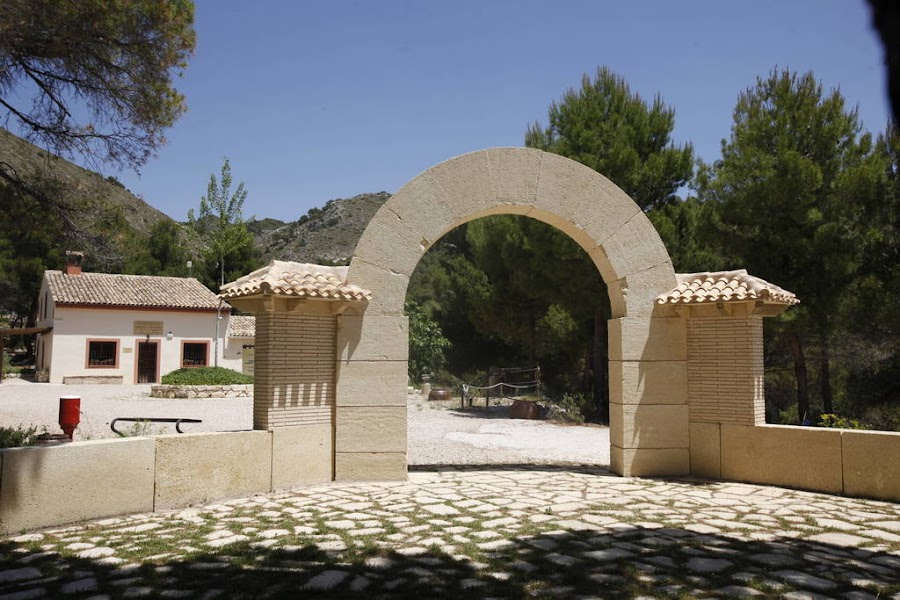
148	328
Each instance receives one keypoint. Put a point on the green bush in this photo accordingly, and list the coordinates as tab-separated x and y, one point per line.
140	429
884	417
834	421
427	343
570	409
14	437
206	376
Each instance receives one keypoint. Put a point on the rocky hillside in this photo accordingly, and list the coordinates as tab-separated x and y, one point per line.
102	194
326	235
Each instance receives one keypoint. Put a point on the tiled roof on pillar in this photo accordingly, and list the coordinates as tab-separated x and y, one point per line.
724	286
297	280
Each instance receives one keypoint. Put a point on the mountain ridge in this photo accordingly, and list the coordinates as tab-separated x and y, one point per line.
326	234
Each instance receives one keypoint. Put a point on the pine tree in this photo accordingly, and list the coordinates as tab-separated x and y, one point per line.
609	128
791	187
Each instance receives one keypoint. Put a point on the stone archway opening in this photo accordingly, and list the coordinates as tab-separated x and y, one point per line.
648	397
519	301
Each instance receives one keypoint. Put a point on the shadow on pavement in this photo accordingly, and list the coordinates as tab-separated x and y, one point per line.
632	560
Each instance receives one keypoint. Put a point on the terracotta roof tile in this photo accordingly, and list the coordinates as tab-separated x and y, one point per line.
133	291
242	326
302	280
724	286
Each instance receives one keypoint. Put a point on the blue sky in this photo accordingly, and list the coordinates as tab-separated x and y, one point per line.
316	100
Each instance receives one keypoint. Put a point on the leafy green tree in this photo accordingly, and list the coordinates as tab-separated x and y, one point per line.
29	245
427	344
502	287
880	281
530	267
449	288
222	228
791	189
163	253
687	230
870	339
609	128
34	239
91	79
94	78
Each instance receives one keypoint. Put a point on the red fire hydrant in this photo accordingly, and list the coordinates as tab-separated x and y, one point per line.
69	414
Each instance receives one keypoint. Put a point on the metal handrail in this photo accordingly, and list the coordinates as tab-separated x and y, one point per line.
178	422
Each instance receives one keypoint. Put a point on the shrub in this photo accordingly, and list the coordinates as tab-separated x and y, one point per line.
884	417
834	421
14	437
140	429
569	410
206	376
427	343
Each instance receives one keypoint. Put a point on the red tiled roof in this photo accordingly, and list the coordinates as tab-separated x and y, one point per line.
133	291
242	326
724	286
301	280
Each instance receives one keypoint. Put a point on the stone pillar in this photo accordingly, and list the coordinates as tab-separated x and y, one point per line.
725	370
294	391
370	432
648	396
726	382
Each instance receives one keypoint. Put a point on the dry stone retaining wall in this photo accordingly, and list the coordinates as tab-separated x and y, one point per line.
201	391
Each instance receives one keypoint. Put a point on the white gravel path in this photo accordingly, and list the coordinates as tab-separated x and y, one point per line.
441	437
436	436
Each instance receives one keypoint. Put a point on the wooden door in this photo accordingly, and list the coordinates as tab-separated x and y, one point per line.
147	367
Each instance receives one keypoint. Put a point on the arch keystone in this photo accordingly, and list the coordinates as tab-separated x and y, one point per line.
514	174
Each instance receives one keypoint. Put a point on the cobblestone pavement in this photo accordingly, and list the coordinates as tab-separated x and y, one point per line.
478	532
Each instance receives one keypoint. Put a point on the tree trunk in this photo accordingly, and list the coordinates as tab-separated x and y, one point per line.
587	373
802	379
601	367
825	378
532	342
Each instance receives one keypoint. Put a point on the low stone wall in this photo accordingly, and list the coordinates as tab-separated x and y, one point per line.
51	485
201	391
92	379
55	485
839	461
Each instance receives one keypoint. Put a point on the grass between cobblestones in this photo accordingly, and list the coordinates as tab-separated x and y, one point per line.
467	533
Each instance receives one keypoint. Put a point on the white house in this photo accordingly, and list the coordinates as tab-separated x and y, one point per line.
109	328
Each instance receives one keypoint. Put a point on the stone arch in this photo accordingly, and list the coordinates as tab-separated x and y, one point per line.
648	377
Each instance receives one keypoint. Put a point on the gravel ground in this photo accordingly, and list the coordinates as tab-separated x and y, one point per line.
436	436
448	437
24	403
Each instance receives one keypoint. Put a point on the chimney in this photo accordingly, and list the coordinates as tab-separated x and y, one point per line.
73	262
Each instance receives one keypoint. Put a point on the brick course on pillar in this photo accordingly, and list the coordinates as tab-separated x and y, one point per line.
725	370
295	370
